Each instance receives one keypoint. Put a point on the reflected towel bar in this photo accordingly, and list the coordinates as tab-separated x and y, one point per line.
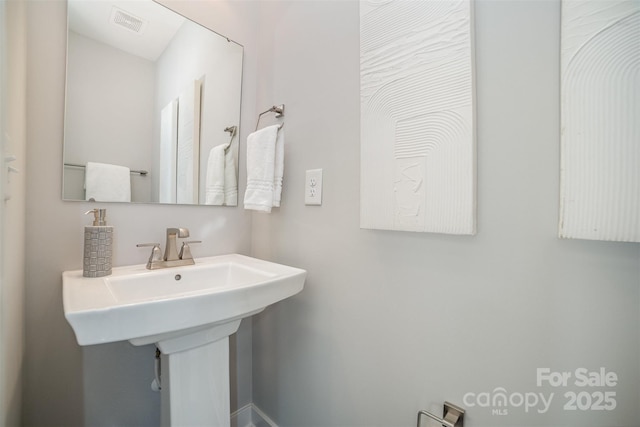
75	165
232	132
278	109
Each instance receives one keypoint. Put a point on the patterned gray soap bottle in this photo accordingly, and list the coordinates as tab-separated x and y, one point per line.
98	246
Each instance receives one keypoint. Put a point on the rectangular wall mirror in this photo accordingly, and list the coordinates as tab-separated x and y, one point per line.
152	106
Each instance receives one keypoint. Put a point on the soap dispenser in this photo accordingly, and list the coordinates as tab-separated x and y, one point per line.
98	244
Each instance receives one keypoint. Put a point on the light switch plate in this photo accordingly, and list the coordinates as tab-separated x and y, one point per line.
313	187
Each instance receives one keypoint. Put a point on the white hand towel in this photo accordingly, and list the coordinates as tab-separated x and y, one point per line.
279	168
214	189
107	183
230	178
261	150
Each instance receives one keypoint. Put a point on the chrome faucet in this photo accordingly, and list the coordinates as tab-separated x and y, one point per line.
171	249
171	256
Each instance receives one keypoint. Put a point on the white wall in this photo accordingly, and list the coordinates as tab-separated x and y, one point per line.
392	322
66	385
14	128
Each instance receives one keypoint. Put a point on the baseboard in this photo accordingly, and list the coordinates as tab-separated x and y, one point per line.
243	417
251	416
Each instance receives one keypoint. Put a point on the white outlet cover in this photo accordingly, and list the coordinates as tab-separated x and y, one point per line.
313	187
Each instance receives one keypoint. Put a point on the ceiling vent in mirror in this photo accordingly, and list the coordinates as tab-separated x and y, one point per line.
127	21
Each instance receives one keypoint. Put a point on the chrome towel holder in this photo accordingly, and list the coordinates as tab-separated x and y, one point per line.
278	109
232	132
452	416
77	165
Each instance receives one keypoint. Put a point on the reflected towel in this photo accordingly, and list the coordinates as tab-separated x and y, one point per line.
230	178
214	190
261	150
107	183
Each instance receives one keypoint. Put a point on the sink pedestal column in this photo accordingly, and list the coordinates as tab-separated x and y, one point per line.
195	383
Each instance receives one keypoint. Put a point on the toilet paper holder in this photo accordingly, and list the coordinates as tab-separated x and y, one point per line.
452	416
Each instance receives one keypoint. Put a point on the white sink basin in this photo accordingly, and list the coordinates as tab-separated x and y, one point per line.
202	302
139	287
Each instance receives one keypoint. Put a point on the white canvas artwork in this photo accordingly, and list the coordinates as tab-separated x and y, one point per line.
418	155
167	172
600	124
188	150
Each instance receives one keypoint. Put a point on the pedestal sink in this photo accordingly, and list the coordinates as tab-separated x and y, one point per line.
189	313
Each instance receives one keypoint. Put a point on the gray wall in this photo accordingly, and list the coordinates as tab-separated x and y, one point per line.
13	128
105	82
64	384
391	322
218	63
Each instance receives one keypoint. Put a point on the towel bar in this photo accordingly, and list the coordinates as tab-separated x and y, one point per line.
75	165
278	109
453	416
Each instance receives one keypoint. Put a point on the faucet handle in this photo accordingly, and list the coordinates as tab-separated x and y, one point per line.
156	254
179	232
185	250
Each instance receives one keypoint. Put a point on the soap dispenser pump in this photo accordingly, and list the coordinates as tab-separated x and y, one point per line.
98	245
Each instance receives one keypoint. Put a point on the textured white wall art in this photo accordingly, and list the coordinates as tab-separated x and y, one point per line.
167	170
417	120
600	142
188	154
